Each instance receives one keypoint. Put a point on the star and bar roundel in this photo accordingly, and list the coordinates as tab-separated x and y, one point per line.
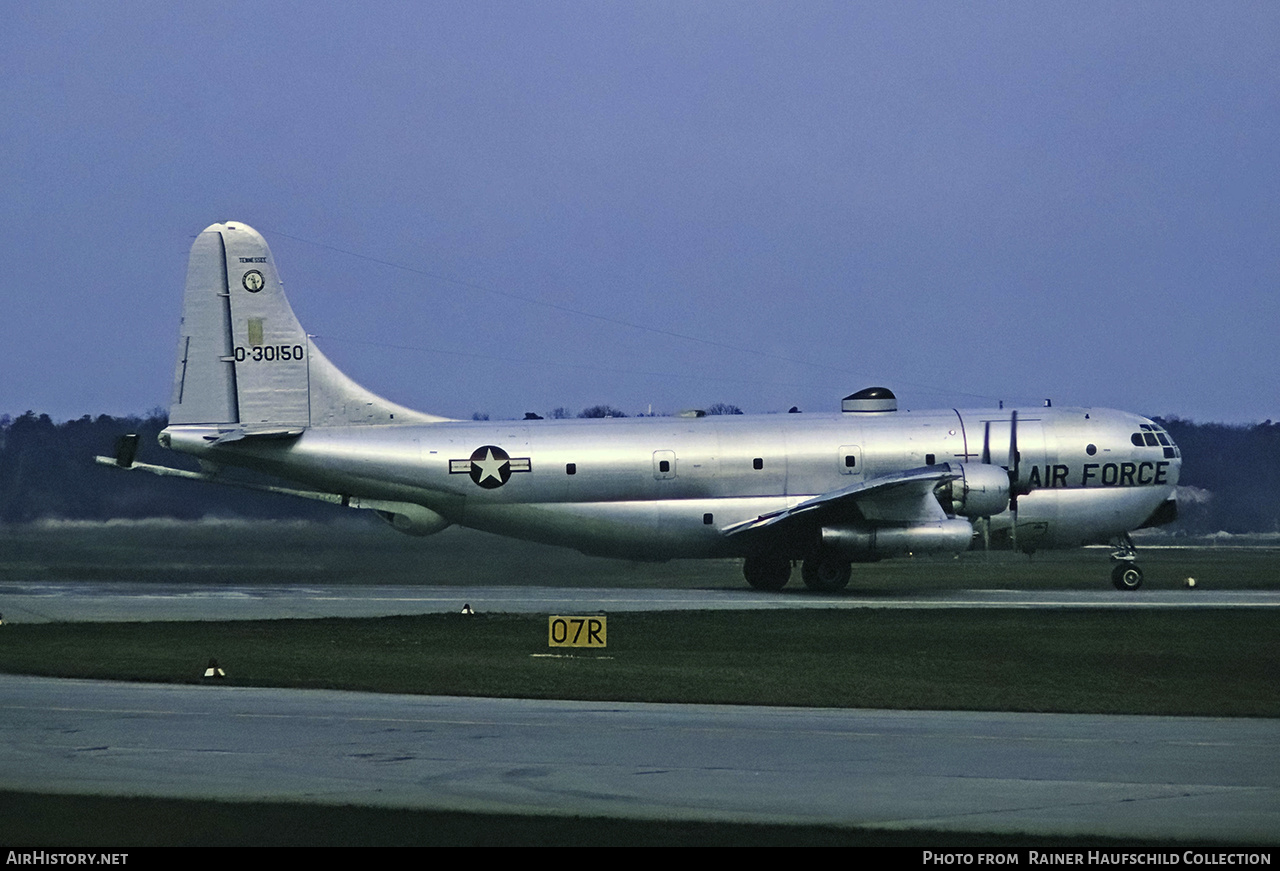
489	466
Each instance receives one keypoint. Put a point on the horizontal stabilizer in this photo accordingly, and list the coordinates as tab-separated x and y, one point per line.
407	517
269	433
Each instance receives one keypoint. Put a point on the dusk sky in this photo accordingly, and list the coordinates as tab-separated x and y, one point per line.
509	207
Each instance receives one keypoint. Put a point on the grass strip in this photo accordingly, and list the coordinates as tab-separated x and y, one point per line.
1209	662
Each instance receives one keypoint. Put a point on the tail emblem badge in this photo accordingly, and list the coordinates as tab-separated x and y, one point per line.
252	281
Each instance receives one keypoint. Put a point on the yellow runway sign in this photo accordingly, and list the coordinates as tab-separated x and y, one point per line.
576	632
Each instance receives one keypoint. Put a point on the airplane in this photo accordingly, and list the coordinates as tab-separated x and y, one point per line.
252	390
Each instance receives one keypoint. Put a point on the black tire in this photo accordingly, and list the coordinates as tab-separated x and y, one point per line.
769	573
826	574
1126	576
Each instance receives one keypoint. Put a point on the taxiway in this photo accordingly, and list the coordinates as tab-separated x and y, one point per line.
116	601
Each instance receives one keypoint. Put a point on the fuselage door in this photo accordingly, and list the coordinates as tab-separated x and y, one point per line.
664	464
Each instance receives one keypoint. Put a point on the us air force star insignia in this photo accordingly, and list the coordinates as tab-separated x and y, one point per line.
489	466
253	281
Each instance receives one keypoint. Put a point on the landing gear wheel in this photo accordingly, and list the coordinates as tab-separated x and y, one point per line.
767	572
826	574
1126	576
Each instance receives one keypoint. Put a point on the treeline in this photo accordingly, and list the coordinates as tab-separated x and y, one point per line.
598	411
1230	476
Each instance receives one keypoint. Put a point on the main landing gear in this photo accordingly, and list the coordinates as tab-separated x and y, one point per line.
769	573
826	574
1125	574
822	574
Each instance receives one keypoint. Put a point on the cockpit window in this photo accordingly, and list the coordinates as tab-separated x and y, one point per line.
1152	436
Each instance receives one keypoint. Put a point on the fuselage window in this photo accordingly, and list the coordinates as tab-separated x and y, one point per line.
571	468
757	463
664	466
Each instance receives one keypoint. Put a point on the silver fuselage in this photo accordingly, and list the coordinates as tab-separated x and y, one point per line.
661	488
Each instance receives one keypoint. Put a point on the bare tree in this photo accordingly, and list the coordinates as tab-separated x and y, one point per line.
601	411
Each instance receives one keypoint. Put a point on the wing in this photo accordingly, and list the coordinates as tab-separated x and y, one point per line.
902	497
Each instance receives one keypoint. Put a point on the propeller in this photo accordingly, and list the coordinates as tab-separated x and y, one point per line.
986	461
1013	467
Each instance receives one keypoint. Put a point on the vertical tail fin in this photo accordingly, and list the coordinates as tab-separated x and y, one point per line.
244	359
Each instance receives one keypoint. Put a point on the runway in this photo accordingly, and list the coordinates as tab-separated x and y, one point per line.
39	602
1150	777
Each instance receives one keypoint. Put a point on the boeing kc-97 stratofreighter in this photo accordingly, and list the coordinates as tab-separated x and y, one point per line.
252	390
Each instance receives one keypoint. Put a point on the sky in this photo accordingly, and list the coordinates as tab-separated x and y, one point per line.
506	207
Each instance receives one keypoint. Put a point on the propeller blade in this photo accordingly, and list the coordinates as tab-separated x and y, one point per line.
1014	458
986	444
1014	485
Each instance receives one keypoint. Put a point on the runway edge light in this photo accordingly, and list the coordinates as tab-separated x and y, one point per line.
214	670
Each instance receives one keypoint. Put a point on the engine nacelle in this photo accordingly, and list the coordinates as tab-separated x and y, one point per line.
863	541
982	490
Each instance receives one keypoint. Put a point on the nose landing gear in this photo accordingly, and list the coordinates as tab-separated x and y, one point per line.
1125	574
